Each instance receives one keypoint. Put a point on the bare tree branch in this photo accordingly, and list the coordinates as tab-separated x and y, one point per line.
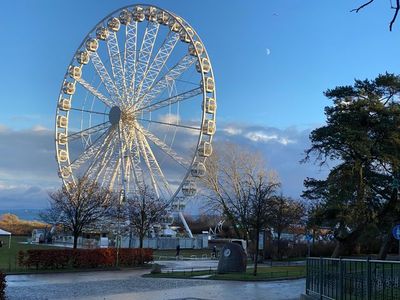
362	6
396	8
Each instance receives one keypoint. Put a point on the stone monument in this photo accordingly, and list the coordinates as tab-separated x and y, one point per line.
232	260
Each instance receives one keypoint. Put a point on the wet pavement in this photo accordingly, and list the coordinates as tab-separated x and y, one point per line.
128	284
177	265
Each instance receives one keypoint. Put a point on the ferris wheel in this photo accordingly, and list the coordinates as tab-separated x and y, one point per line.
137	105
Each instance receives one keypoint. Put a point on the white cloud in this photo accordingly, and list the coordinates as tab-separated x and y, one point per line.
258	136
264	137
286	141
38	128
170	118
232	130
28	168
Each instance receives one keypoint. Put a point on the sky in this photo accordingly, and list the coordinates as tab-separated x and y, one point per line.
272	61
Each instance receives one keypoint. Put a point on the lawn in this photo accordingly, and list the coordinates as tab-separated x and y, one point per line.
264	273
8	257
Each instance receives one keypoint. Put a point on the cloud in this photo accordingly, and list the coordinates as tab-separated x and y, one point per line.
28	169
259	134
230	130
283	150
38	128
169	118
27	166
12	197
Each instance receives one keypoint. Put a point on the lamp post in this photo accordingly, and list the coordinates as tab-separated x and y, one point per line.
120	202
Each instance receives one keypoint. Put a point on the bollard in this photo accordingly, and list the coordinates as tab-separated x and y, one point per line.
321	274
368	279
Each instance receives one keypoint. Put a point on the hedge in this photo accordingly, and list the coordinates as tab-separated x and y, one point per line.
83	258
2	286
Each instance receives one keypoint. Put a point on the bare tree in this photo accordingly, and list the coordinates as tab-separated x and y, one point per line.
83	205
257	213
227	182
239	186
143	211
285	213
394	4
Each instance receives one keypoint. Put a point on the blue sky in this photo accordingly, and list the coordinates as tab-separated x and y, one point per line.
272	61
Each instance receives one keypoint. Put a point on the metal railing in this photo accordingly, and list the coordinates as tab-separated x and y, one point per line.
353	279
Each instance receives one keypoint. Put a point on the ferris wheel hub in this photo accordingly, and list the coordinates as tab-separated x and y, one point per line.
114	115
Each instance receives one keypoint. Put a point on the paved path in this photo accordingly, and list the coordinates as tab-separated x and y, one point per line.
130	285
177	265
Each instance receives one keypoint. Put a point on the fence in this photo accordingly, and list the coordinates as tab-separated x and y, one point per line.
165	243
353	279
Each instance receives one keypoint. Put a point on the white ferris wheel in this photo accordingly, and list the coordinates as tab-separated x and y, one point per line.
137	105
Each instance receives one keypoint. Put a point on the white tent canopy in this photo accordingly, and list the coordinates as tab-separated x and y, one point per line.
3	232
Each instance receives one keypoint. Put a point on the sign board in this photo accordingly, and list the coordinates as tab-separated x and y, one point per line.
261	241
309	237
396	232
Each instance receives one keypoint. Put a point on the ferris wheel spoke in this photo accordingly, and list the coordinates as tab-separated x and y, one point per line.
87	131
169	101
134	158
155	166
104	149
165	148
101	165
116	64
130	55
89	111
88	152
171	124
123	146
160	85
158	63
148	164
95	92
105	77
113	176
146	49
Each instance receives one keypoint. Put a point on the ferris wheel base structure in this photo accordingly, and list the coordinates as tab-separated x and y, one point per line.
137	106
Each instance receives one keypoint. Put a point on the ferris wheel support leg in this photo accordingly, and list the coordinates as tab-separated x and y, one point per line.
182	217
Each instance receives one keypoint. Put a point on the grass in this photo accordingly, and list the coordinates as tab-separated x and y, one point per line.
264	273
8	257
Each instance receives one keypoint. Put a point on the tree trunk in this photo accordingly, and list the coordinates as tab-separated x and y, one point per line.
278	250
76	235
387	240
256	254
344	247
141	237
130	237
